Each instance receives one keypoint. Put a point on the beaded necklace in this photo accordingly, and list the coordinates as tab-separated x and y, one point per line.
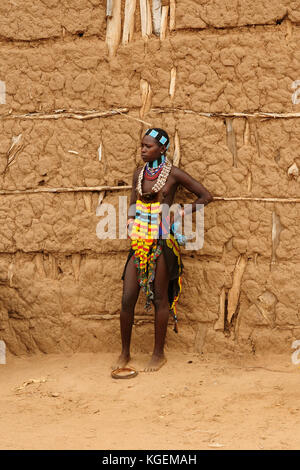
161	180
152	172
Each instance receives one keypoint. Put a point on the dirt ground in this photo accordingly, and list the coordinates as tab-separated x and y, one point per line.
193	402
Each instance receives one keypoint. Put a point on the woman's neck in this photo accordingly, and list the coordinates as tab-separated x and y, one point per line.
156	163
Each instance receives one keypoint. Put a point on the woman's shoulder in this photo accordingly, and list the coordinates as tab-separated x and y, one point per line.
177	173
139	168
137	171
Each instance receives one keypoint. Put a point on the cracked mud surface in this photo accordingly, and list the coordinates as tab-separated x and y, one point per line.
60	286
221	65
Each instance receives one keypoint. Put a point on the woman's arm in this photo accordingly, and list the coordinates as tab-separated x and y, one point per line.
131	212
192	185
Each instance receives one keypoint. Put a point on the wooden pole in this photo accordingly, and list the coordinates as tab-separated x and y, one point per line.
234	292
8	192
176	158
172	14
128	28
172	82
157	16
164	22
222	115
149	20
81	115
231	141
143	10
113	29
109	8
146	97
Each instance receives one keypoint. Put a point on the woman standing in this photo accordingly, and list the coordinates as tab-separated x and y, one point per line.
154	261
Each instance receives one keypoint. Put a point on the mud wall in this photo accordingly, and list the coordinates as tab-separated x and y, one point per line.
77	90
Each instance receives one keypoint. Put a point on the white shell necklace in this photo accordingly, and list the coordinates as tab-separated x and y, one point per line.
161	180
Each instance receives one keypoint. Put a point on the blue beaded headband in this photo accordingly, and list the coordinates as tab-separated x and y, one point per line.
158	135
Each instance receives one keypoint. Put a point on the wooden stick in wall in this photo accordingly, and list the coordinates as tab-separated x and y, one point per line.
109	8
164	22
149	19
128	28
176	157
157	15
172	14
146	97
113	30
58	114
11	192
220	323
259	115
172	82
234	292
231	140
143	10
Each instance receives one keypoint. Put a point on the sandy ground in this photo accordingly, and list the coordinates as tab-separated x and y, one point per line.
193	402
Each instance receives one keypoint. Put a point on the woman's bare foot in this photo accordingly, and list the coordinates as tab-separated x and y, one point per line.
122	360
155	363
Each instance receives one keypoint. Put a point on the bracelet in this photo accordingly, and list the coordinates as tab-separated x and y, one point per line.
119	373
131	219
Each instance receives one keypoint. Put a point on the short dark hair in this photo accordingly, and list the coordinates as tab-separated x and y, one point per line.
160	135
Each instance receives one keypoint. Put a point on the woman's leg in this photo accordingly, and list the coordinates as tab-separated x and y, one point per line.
161	304
131	290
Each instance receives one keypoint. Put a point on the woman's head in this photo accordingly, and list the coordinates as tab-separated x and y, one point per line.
154	144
